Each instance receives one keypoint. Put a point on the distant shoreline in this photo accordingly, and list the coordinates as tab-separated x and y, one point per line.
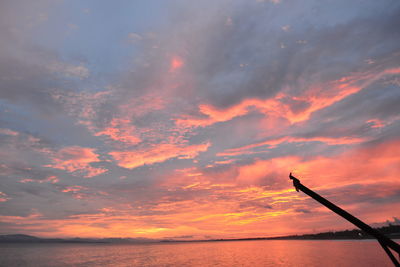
391	231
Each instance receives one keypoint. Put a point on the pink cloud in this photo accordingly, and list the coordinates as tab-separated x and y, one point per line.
272	143
121	130
239	202
8	132
317	97
375	123
156	153
176	63
368	165
73	189
51	179
82	192
4	197
27	180
77	159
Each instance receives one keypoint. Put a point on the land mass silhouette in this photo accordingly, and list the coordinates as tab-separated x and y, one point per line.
392	231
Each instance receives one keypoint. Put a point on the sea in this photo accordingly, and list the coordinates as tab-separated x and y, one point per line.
225	253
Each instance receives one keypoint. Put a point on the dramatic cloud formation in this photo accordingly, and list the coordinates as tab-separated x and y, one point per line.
188	116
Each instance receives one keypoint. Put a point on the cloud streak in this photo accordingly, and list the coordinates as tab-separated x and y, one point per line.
155	154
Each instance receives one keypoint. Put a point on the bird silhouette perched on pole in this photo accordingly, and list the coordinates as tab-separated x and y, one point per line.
384	241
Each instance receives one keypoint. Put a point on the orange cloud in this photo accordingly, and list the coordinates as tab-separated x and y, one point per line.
156	153
76	158
222	162
368	165
214	217
375	165
325	95
247	201
272	143
276	167
73	189
121	130
379	163
214	115
316	97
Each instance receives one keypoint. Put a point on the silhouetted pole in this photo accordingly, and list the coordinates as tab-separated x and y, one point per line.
383	240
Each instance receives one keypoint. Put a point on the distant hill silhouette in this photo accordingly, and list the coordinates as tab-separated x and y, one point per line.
20	238
391	231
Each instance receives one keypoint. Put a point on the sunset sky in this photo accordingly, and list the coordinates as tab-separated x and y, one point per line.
182	119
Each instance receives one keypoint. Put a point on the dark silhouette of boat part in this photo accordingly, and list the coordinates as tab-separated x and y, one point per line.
385	242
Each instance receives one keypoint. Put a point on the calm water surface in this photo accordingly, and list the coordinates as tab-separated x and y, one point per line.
237	253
